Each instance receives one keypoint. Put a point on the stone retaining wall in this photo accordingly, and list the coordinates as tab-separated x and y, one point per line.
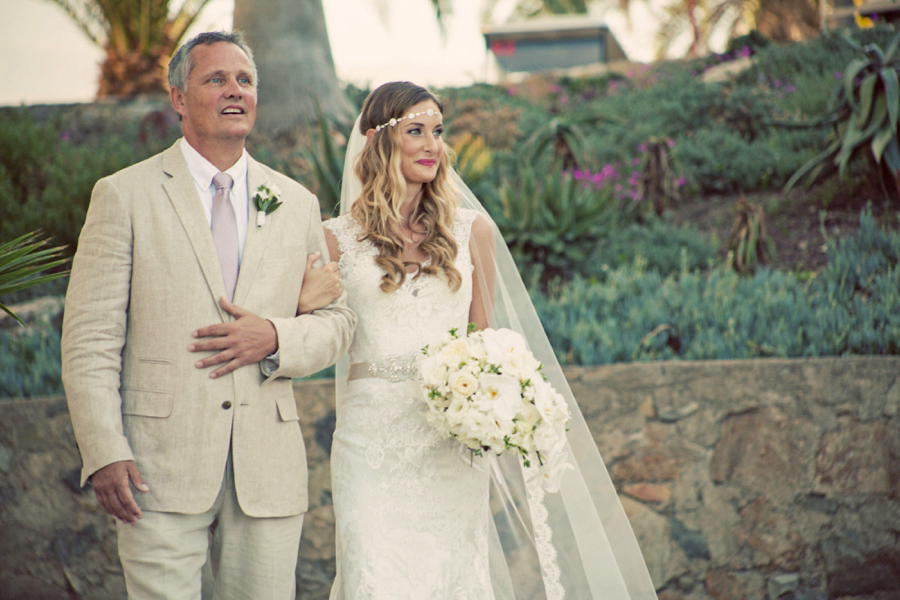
743	479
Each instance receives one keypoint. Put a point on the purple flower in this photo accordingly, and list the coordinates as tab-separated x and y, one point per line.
66	136
790	89
670	142
578	174
635	161
838	75
511	90
777	83
680	182
555	88
642	147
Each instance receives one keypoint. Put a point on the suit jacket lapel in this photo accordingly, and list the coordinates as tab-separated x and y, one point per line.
183	195
255	246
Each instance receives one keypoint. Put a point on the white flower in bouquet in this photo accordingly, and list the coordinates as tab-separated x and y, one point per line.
503	343
504	394
487	392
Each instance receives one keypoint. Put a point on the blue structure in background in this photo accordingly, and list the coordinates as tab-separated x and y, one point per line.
552	43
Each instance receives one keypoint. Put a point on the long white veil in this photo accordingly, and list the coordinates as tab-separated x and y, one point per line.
573	544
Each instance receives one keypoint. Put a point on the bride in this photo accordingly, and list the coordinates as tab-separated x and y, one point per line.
417	517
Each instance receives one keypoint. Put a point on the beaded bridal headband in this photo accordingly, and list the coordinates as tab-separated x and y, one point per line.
430	112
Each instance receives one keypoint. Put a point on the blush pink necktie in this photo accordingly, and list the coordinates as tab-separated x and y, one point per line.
224	232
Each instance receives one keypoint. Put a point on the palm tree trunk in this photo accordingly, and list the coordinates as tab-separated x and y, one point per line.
296	70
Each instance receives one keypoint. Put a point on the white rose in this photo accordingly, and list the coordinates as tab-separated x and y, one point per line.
505	394
454	353
463	383
433	371
503	344
476	347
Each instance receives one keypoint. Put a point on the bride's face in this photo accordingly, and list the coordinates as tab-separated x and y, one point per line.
421	144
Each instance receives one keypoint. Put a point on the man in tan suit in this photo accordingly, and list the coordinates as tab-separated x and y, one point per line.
174	449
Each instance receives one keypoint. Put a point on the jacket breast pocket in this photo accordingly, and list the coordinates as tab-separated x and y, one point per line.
143	403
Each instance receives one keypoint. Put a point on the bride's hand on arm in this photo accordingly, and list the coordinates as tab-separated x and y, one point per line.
321	285
483	250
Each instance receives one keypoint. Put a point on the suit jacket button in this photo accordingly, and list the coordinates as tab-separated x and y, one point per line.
226	405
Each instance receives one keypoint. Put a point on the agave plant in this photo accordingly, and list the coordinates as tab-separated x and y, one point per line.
864	112
749	246
21	262
553	222
567	137
658	185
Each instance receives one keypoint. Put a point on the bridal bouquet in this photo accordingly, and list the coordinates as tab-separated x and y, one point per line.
487	391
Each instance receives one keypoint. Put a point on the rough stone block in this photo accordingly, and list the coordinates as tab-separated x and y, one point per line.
858	457
766	450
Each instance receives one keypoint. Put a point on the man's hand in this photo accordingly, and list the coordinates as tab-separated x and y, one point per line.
113	490
321	286
248	339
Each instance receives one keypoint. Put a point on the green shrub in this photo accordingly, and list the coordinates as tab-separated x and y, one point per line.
29	362
47	173
852	307
663	247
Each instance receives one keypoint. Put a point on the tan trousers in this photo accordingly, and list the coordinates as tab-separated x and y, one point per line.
252	559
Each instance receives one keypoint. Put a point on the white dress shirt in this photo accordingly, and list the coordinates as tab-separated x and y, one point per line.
203	171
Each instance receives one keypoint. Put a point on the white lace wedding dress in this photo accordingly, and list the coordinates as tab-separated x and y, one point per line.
412	516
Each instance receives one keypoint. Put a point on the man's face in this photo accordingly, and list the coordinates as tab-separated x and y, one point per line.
220	102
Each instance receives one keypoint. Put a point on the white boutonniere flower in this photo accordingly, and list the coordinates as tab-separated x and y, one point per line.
266	201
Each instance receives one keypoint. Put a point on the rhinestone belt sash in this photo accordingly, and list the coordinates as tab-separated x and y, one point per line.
401	367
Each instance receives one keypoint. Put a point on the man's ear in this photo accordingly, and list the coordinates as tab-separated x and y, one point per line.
370	135
177	98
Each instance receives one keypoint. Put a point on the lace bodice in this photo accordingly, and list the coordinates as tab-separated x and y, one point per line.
418	313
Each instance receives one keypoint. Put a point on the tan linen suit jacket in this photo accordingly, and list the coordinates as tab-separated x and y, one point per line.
144	277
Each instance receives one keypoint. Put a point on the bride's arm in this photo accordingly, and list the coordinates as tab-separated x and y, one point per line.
482	248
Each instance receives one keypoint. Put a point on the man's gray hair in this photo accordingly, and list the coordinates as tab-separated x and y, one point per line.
181	64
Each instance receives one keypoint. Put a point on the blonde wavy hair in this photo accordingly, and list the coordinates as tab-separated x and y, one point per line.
377	209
